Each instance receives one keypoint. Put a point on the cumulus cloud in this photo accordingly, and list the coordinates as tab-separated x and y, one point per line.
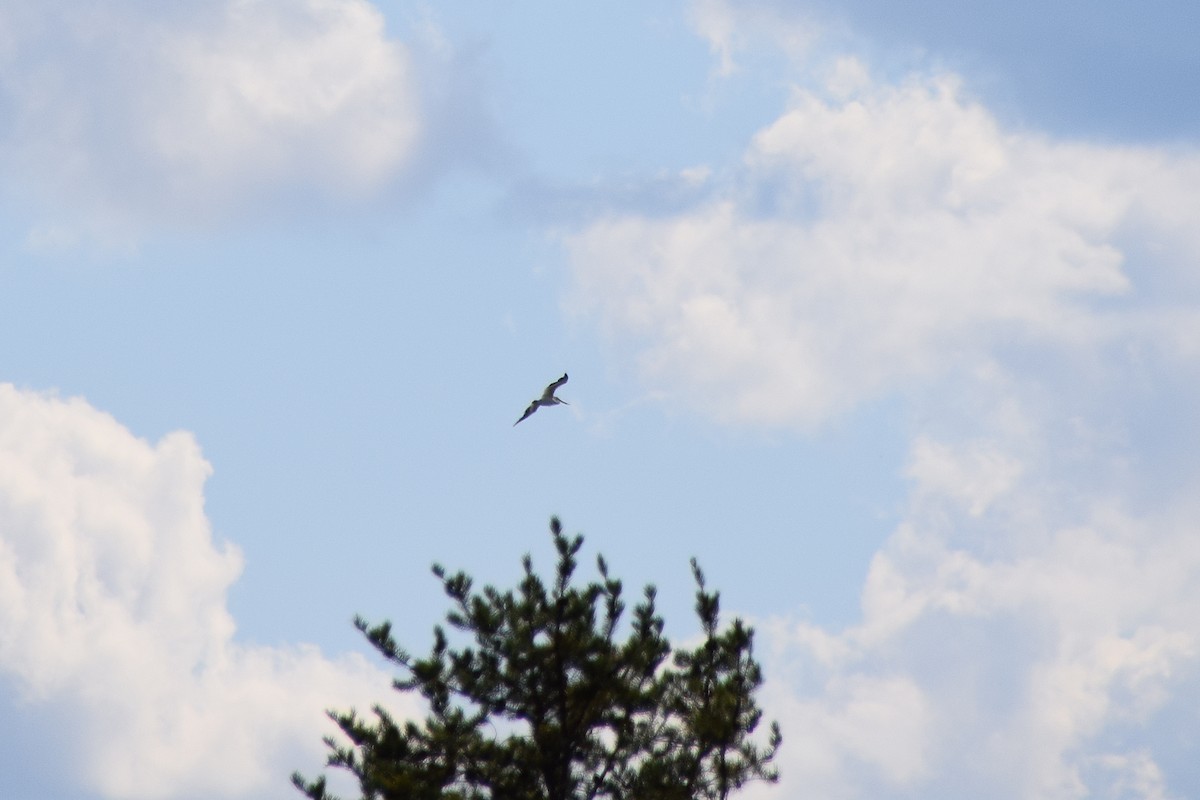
878	235
113	611
1025	650
123	113
1028	629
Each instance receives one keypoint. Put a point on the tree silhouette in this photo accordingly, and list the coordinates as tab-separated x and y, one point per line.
546	701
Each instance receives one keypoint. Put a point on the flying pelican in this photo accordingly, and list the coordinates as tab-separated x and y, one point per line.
547	399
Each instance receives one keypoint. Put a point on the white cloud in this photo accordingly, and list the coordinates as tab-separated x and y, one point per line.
731	28
1130	775
1027	666
1030	622
125	113
113	614
977	475
880	235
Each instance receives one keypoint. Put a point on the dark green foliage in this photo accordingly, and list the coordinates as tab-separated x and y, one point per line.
546	703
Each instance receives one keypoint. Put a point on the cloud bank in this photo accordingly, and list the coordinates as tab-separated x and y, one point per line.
112	609
124	114
879	235
1042	644
1028	629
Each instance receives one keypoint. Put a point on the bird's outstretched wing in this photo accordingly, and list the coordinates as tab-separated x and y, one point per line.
547	399
532	408
552	388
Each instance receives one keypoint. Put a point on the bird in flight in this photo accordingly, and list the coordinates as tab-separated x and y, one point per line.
547	399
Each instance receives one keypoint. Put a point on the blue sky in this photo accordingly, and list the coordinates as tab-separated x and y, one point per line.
889	316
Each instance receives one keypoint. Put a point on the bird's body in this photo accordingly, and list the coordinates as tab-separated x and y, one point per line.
547	399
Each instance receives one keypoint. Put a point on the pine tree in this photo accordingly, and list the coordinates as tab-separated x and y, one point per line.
547	702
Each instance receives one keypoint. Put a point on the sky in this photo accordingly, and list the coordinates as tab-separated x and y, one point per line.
887	313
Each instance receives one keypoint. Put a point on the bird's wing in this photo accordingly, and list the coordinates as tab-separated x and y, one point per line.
552	388
532	408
